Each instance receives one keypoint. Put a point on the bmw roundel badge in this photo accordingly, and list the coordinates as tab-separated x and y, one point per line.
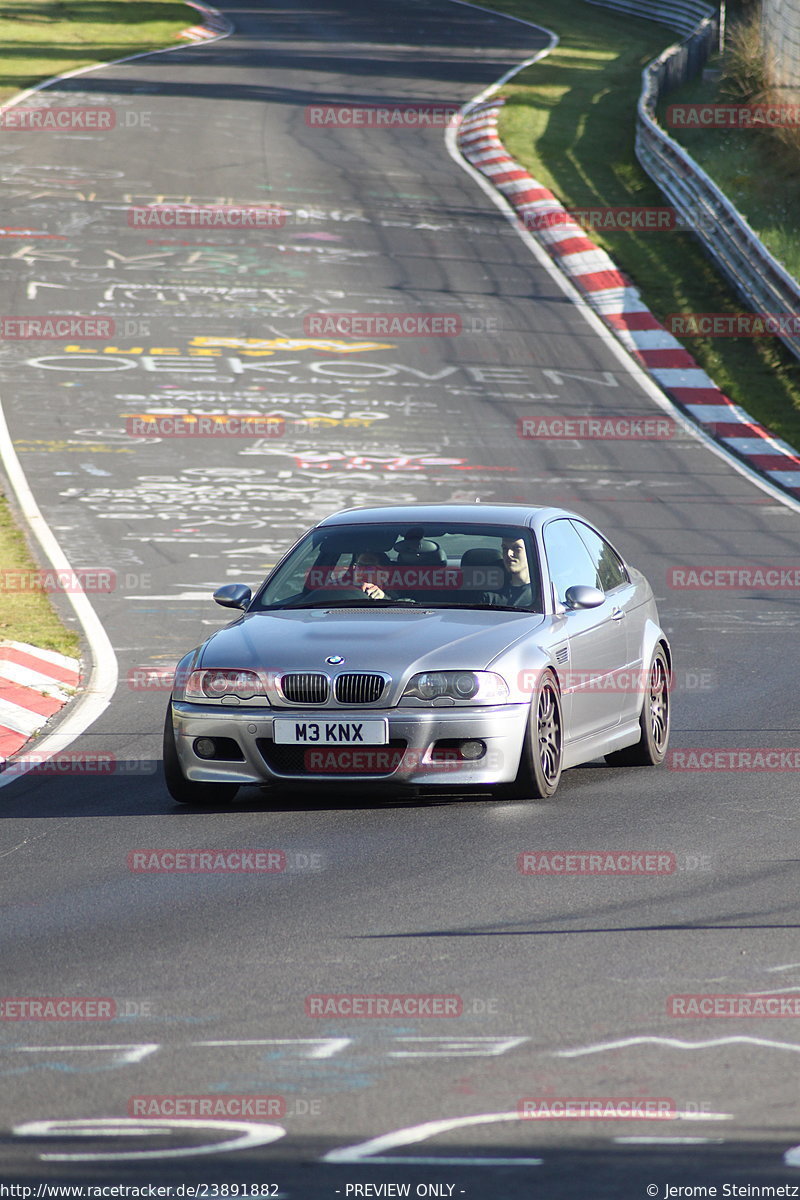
334	660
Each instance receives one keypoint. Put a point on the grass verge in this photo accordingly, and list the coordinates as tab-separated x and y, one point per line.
40	38
758	173
570	120
27	616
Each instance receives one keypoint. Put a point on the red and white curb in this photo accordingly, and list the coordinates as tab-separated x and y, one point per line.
34	685
215	24
195	33
618	303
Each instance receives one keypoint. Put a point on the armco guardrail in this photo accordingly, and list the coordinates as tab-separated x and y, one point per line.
726	236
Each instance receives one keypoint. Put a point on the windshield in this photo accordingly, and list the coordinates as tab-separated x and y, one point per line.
438	566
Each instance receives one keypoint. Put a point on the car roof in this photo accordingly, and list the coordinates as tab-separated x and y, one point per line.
531	515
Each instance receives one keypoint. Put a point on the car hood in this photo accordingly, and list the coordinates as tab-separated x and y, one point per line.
396	641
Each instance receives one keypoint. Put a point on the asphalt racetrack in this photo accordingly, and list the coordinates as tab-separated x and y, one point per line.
563	981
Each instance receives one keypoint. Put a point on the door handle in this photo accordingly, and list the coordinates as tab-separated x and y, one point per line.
617	614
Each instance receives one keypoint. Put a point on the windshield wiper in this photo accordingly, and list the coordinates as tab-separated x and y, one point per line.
486	607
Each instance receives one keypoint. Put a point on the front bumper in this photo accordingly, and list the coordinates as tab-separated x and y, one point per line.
501	727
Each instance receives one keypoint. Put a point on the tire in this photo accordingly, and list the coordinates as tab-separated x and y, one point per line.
654	720
184	790
543	749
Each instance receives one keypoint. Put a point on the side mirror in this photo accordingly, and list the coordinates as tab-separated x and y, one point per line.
583	596
233	595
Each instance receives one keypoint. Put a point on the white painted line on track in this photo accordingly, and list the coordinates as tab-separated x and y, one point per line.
775	991
172	596
363	1151
677	1044
482	1046
128	1053
101	685
324	1047
703	1116
414	1161
667	1141
250	1134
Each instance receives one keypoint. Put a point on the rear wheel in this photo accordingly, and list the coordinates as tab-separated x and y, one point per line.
184	790
654	721
543	750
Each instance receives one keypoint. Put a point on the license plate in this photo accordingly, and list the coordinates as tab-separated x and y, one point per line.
330	733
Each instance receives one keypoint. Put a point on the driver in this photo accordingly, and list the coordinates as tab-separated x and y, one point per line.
368	576
517	591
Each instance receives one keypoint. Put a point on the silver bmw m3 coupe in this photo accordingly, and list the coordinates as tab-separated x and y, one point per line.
467	647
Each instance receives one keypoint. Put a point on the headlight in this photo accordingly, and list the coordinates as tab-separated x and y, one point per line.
214	684
470	687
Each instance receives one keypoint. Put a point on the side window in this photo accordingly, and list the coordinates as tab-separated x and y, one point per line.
567	558
609	566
